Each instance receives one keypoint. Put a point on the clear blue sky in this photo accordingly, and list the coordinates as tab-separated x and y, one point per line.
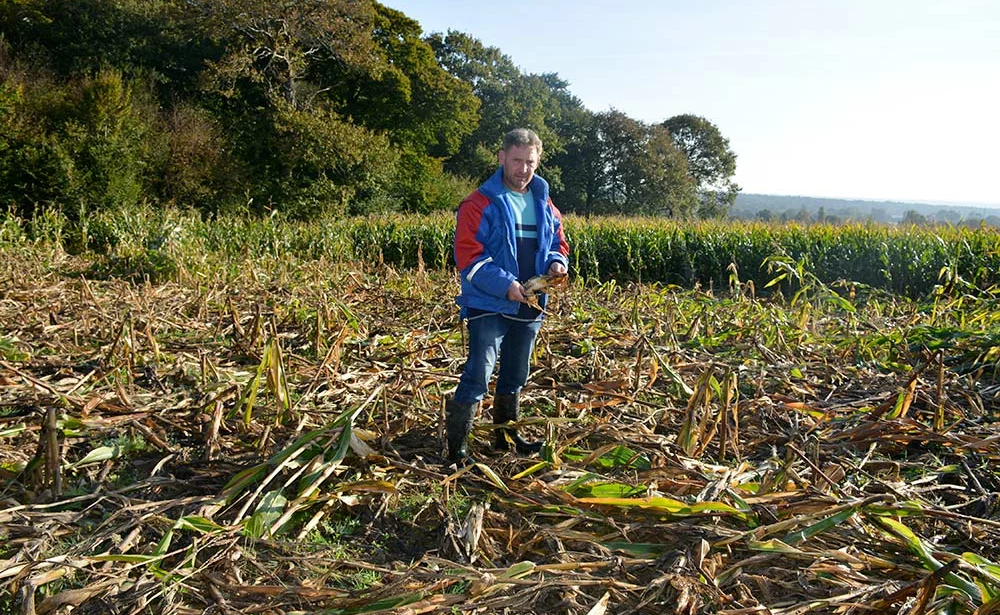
872	99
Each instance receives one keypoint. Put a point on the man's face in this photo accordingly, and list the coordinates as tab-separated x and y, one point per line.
519	164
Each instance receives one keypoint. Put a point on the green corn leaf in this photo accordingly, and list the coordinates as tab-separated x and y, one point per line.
828	523
623	457
198	524
163	546
101	453
243	479
541	465
591	486
268	511
989	577
13	431
772	546
250	398
518	570
492	476
926	556
668	506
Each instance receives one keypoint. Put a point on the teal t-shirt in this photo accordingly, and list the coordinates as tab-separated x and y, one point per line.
526	235
525	232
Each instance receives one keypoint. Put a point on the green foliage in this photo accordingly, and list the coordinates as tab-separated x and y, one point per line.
322	108
711	162
404	241
76	146
325	100
324	165
280	109
509	99
10	351
421	107
491	74
194	163
32	166
11	232
80	37
138	243
141	241
285	53
50	226
424	184
618	164
104	136
905	262
664	186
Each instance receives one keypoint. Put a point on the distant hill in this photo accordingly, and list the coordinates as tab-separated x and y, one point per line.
770	206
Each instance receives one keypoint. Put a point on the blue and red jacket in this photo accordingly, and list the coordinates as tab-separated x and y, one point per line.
485	245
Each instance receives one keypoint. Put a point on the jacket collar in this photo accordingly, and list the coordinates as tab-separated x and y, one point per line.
494	186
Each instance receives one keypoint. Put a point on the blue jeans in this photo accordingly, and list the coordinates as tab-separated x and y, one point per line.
492	336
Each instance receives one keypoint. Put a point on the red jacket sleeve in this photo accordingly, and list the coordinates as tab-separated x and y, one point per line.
468	249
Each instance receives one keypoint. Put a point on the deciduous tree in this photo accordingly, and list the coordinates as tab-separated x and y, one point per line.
711	162
509	99
622	165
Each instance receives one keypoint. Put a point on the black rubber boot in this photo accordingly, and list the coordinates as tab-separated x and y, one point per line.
458	424
505	410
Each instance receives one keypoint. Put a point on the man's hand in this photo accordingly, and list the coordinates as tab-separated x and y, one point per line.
516	292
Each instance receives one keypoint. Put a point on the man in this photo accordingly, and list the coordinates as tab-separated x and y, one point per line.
507	231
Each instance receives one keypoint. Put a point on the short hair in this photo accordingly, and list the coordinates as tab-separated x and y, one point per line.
522	137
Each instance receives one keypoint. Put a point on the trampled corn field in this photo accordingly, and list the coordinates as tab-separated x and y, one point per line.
245	418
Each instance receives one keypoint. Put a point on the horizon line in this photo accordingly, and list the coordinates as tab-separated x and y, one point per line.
911	201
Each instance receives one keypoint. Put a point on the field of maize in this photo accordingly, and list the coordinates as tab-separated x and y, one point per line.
245	417
903	260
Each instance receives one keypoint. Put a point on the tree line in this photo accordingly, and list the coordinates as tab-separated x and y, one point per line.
311	108
826	210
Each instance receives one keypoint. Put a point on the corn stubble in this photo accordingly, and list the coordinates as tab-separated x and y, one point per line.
226	443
